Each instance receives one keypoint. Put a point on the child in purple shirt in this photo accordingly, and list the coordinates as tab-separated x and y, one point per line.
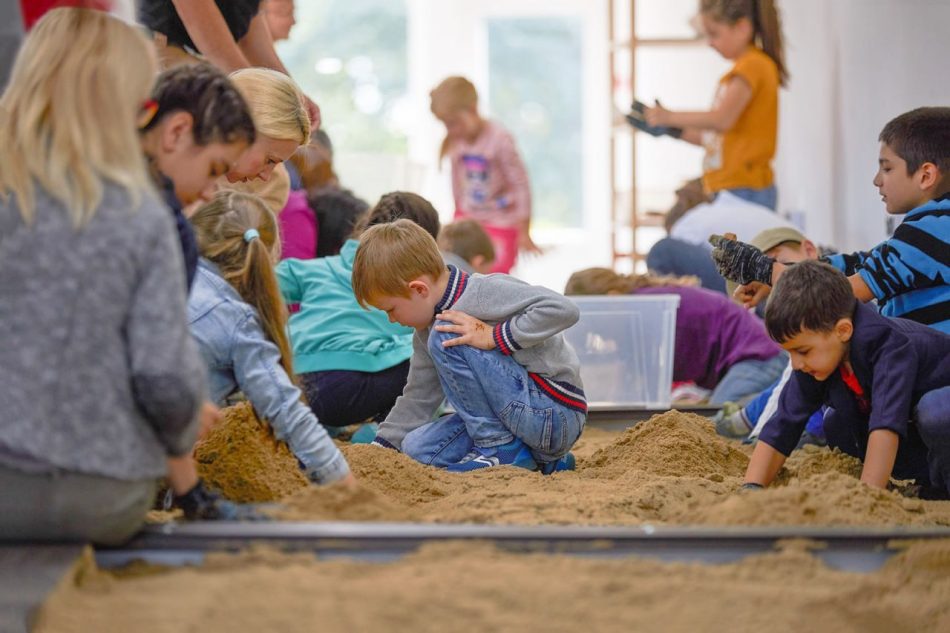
719	345
886	383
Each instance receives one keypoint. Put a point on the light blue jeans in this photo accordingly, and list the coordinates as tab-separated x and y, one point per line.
495	401
748	378
767	196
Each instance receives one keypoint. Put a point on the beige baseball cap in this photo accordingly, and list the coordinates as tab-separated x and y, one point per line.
767	240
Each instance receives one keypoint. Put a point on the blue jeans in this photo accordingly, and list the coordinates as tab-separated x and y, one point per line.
495	401
923	455
671	256
747	378
767	196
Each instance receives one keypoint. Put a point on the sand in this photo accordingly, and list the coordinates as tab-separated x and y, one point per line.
454	586
670	470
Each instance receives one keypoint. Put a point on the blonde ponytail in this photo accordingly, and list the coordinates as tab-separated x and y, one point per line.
239	234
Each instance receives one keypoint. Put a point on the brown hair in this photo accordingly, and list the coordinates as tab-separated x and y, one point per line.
247	263
218	111
397	205
453	95
389	256
602	281
766	25
810	295
920	136
467	239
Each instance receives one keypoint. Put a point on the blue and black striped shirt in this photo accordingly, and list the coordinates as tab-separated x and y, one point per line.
909	274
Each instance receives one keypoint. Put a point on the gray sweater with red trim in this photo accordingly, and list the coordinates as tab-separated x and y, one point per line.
527	320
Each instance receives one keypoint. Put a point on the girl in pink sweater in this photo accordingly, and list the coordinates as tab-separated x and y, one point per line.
489	180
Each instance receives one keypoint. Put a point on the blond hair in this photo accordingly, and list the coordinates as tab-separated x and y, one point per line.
602	281
276	103
391	255
451	96
68	115
273	193
246	261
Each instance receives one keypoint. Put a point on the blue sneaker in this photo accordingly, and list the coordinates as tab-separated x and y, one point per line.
514	453
565	462
365	434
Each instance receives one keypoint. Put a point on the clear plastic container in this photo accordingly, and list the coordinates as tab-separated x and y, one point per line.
625	345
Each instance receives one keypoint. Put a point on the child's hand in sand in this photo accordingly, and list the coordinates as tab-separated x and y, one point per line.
349	481
208	416
471	331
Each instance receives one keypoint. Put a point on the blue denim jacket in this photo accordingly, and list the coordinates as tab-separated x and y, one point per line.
239	356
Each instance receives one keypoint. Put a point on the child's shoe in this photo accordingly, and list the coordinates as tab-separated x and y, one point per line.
514	453
365	434
201	504
565	462
731	421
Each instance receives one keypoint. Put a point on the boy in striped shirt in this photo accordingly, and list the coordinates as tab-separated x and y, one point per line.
907	274
491	345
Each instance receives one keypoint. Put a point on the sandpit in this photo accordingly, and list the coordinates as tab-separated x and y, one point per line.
451	586
672	469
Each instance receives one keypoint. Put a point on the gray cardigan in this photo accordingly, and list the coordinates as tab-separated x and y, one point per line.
99	373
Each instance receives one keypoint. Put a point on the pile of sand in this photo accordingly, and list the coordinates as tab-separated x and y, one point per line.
671	469
448	586
241	459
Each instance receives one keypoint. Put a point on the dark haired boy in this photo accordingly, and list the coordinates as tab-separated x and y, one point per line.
886	383
908	273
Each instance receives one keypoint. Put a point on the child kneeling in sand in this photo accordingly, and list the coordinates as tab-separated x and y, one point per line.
491	345
886	383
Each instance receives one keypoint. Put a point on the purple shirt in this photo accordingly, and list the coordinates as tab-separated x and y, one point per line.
712	334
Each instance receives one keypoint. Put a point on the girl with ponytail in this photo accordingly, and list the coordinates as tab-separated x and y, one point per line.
237	316
739	133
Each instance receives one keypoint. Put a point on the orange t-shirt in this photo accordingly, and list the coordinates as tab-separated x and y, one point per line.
742	156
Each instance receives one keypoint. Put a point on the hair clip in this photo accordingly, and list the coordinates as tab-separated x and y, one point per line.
251	234
147	113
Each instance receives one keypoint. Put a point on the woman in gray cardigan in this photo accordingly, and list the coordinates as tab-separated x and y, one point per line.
101	380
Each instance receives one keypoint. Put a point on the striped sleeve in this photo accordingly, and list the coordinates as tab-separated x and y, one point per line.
847	263
916	257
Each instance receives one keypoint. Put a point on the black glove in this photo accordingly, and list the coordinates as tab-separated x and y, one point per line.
637	119
741	262
751	486
200	504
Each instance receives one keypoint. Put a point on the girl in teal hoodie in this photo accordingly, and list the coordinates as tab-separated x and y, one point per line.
352	363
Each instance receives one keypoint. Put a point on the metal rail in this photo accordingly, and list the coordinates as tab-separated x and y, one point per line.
851	549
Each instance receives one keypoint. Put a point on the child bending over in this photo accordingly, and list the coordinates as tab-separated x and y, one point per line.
491	345
886	383
719	345
467	246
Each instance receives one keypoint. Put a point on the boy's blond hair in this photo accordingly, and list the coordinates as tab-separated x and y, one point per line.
390	256
68	116
467	239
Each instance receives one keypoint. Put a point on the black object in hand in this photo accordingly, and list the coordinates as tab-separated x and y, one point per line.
637	118
741	262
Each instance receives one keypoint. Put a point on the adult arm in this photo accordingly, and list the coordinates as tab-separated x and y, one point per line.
210	33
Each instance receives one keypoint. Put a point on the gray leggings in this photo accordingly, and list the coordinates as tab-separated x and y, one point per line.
67	506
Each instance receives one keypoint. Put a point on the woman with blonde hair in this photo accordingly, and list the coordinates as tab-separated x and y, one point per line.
103	381
720	346
238	317
280	116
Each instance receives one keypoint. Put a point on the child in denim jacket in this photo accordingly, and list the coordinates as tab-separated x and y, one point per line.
239	321
491	345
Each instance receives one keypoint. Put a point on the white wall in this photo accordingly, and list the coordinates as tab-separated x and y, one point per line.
855	64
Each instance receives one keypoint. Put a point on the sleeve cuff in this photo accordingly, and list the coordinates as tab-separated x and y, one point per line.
503	339
335	470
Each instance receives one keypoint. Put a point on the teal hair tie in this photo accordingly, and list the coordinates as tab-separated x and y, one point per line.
250	234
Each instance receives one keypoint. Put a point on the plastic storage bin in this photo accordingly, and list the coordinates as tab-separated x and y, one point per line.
625	345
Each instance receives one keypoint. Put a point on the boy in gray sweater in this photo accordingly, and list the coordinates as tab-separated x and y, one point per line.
491	345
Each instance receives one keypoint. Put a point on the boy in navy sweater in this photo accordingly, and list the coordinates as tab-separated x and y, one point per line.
886	383
491	345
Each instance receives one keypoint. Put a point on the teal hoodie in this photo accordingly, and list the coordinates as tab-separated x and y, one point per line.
332	331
